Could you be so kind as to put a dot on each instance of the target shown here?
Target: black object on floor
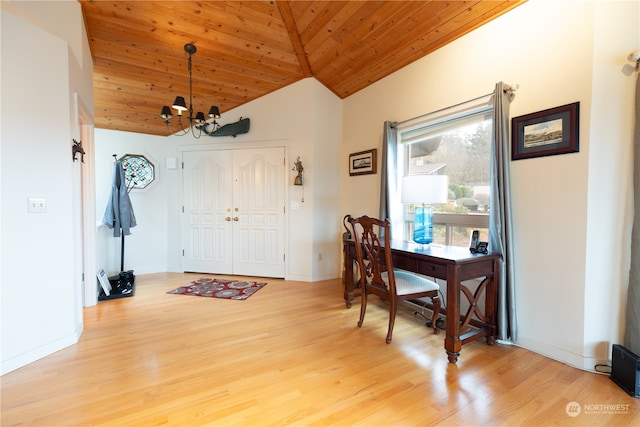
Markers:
(122, 286)
(625, 369)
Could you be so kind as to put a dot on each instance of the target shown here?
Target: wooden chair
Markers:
(377, 275)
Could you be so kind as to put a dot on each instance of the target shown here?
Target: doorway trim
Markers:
(84, 133)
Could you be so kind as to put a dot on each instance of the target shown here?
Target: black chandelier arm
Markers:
(183, 131)
(194, 133)
(203, 127)
(190, 127)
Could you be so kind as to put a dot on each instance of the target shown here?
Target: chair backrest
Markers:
(373, 256)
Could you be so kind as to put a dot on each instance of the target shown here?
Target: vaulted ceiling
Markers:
(247, 49)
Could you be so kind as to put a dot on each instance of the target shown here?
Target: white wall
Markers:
(610, 200)
(295, 117)
(571, 213)
(325, 165)
(41, 290)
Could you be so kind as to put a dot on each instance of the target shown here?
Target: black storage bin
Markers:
(122, 286)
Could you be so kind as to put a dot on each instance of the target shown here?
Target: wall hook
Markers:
(77, 148)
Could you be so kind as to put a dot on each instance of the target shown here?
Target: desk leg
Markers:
(452, 343)
(453, 357)
(491, 302)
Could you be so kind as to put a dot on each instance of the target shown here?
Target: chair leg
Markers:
(392, 319)
(436, 312)
(363, 306)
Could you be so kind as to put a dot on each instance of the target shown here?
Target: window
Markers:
(455, 142)
(139, 172)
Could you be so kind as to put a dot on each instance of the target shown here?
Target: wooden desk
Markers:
(455, 265)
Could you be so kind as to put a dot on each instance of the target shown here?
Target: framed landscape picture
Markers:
(363, 162)
(546, 133)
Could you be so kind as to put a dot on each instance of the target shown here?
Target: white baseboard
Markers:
(308, 278)
(299, 277)
(326, 276)
(30, 356)
(562, 355)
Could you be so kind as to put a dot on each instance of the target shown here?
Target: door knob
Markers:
(228, 218)
(235, 218)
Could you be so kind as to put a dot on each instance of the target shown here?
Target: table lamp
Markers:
(425, 190)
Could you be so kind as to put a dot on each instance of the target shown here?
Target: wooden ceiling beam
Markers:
(294, 35)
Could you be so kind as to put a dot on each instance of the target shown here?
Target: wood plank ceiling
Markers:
(247, 49)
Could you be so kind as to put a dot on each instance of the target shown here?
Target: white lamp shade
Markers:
(427, 189)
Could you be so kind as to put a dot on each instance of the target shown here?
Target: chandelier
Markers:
(198, 121)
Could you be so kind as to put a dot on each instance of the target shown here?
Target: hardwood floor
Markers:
(291, 355)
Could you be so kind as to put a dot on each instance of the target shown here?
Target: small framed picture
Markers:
(363, 162)
(104, 282)
(546, 133)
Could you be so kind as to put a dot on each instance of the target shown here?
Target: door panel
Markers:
(234, 212)
(259, 197)
(207, 202)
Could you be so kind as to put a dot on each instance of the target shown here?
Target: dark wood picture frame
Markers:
(546, 132)
(363, 162)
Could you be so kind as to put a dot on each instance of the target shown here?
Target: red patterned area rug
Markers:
(220, 288)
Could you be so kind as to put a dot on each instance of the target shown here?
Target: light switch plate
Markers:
(36, 205)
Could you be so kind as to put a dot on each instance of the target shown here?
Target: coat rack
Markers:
(119, 216)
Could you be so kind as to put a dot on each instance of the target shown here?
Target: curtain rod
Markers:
(507, 89)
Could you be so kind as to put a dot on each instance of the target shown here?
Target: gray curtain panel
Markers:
(632, 333)
(387, 166)
(500, 216)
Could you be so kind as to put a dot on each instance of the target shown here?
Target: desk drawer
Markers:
(431, 269)
(428, 268)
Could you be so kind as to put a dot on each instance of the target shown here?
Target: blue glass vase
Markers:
(423, 226)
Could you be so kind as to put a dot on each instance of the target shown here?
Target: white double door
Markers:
(233, 212)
